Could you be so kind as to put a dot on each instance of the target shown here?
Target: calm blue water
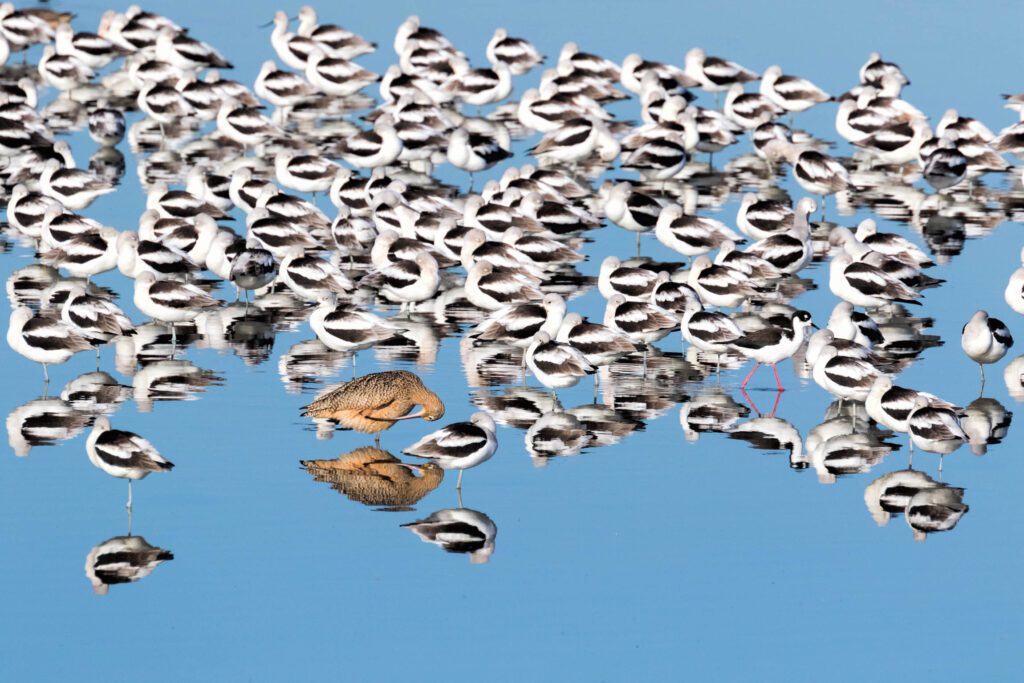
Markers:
(652, 558)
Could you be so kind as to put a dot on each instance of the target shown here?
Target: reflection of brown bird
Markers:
(373, 403)
(372, 476)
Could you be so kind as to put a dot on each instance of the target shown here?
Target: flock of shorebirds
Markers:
(501, 263)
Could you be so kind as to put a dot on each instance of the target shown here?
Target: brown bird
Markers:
(372, 476)
(373, 403)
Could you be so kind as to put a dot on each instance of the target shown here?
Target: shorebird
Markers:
(935, 429)
(42, 339)
(170, 301)
(985, 340)
(123, 454)
(773, 344)
(459, 446)
(375, 402)
(458, 531)
(556, 365)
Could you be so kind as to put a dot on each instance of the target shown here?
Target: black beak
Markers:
(815, 326)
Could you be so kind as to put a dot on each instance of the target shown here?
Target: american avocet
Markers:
(749, 110)
(310, 276)
(842, 376)
(890, 405)
(985, 340)
(86, 254)
(169, 301)
(631, 209)
(720, 286)
(305, 172)
(752, 265)
(479, 87)
(373, 148)
(63, 72)
(517, 53)
(135, 256)
(818, 173)
(42, 339)
(668, 76)
(336, 76)
(339, 41)
(94, 318)
(279, 235)
(492, 288)
(187, 53)
(855, 326)
(459, 530)
(244, 124)
(891, 244)
(715, 74)
(123, 454)
(122, 559)
(945, 166)
(73, 188)
(600, 344)
(633, 283)
(459, 446)
(543, 251)
(896, 143)
(163, 103)
(875, 69)
(410, 281)
(474, 151)
(588, 63)
(709, 331)
(556, 218)
(346, 328)
(517, 324)
(556, 365)
(576, 140)
(660, 158)
(773, 344)
(476, 247)
(26, 210)
(935, 429)
(863, 284)
(792, 93)
(638, 320)
(90, 49)
(375, 402)
(691, 235)
(844, 347)
(95, 393)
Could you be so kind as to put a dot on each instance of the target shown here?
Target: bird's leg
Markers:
(778, 383)
(823, 208)
(46, 375)
(595, 386)
(645, 362)
(458, 483)
(638, 245)
(470, 182)
(129, 505)
(910, 460)
(376, 439)
(458, 493)
(941, 456)
(743, 384)
(981, 390)
(775, 406)
(174, 339)
(97, 359)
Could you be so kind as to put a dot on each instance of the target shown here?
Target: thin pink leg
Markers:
(777, 382)
(751, 374)
(778, 396)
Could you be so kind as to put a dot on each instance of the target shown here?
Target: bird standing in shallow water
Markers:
(985, 340)
(373, 403)
(123, 454)
(459, 446)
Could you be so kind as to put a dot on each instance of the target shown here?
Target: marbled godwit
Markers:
(372, 476)
(373, 403)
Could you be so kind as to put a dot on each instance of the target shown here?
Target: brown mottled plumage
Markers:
(372, 476)
(373, 403)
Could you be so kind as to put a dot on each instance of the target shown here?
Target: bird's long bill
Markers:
(414, 468)
(419, 413)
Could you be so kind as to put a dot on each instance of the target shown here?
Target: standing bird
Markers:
(42, 339)
(935, 429)
(556, 365)
(123, 454)
(985, 340)
(459, 446)
(375, 402)
(773, 344)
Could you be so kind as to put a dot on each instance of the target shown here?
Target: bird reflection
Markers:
(605, 425)
(308, 363)
(712, 410)
(518, 407)
(95, 393)
(122, 559)
(891, 493)
(935, 509)
(986, 421)
(458, 530)
(43, 422)
(374, 477)
(556, 434)
(170, 380)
